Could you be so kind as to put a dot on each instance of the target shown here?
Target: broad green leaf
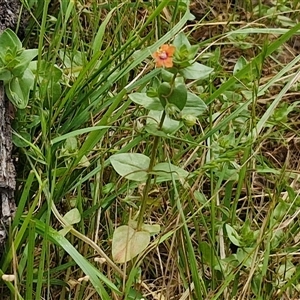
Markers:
(180, 40)
(280, 210)
(84, 162)
(245, 256)
(72, 217)
(145, 101)
(71, 144)
(176, 96)
(9, 40)
(169, 125)
(285, 271)
(206, 253)
(196, 71)
(5, 75)
(164, 91)
(18, 142)
(46, 70)
(133, 166)
(194, 106)
(153, 129)
(167, 171)
(232, 235)
(72, 58)
(127, 243)
(152, 229)
(166, 75)
(134, 295)
(17, 89)
(25, 58)
(179, 96)
(240, 64)
(32, 121)
(54, 92)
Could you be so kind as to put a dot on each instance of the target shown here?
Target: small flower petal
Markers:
(169, 49)
(163, 56)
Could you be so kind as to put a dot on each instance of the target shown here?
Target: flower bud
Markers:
(189, 120)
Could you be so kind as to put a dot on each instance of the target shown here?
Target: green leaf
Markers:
(232, 235)
(127, 243)
(46, 70)
(180, 40)
(193, 50)
(84, 162)
(133, 166)
(97, 45)
(5, 75)
(65, 230)
(179, 96)
(194, 106)
(17, 89)
(169, 125)
(9, 40)
(166, 75)
(134, 295)
(72, 217)
(240, 64)
(196, 71)
(153, 129)
(145, 101)
(285, 271)
(206, 253)
(71, 144)
(25, 58)
(166, 171)
(164, 91)
(78, 132)
(18, 142)
(280, 210)
(32, 121)
(152, 229)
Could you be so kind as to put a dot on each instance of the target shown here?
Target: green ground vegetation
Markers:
(143, 182)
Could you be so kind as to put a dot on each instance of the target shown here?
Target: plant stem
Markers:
(148, 182)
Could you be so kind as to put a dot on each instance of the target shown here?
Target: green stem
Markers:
(148, 182)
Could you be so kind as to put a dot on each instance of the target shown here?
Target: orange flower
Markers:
(163, 56)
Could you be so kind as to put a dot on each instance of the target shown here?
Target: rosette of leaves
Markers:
(14, 68)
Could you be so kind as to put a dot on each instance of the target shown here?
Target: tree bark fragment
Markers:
(9, 14)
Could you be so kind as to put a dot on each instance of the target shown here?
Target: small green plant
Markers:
(15, 73)
(172, 105)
